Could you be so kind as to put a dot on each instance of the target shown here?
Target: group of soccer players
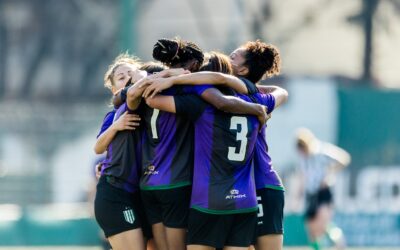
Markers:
(187, 163)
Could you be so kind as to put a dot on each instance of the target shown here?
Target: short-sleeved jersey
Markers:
(167, 147)
(107, 121)
(223, 181)
(265, 175)
(123, 160)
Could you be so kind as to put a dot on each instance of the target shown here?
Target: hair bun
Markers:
(165, 50)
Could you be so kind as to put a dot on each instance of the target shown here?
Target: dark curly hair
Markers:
(175, 52)
(261, 59)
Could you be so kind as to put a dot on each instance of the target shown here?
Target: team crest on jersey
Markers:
(151, 170)
(129, 216)
(235, 194)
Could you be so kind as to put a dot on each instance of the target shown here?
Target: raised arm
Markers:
(280, 94)
(171, 72)
(339, 155)
(231, 104)
(162, 102)
(157, 85)
(131, 94)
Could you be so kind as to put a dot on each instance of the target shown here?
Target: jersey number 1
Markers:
(153, 123)
(240, 136)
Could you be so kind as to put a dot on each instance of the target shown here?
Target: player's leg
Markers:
(153, 211)
(151, 245)
(175, 213)
(176, 238)
(241, 231)
(236, 248)
(199, 247)
(206, 231)
(320, 219)
(128, 240)
(313, 226)
(117, 214)
(160, 236)
(270, 242)
(270, 219)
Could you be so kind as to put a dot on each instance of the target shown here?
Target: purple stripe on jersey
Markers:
(243, 183)
(203, 148)
(107, 121)
(164, 151)
(264, 173)
(242, 177)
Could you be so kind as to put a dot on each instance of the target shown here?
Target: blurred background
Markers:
(339, 64)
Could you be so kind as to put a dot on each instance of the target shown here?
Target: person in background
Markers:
(319, 163)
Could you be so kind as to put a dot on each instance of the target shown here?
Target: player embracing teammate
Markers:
(207, 147)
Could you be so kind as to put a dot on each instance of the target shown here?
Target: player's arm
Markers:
(157, 85)
(190, 105)
(125, 122)
(280, 94)
(131, 94)
(120, 97)
(170, 73)
(234, 105)
(162, 102)
(340, 157)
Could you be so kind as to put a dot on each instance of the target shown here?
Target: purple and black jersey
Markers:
(223, 181)
(107, 122)
(167, 147)
(265, 175)
(123, 158)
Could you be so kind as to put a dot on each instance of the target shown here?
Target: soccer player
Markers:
(250, 62)
(223, 198)
(319, 163)
(253, 60)
(118, 208)
(167, 157)
(117, 76)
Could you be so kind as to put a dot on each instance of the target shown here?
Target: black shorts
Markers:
(169, 206)
(221, 230)
(117, 211)
(323, 196)
(270, 211)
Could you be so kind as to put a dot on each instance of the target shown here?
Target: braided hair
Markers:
(175, 52)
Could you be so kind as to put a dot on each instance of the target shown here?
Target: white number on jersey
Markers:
(260, 207)
(240, 136)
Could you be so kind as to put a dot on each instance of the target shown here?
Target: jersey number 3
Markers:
(240, 136)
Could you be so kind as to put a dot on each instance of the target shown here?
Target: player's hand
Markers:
(126, 122)
(117, 92)
(98, 170)
(263, 116)
(144, 82)
(155, 86)
(136, 75)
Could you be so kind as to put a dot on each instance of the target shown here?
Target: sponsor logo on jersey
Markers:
(235, 194)
(151, 170)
